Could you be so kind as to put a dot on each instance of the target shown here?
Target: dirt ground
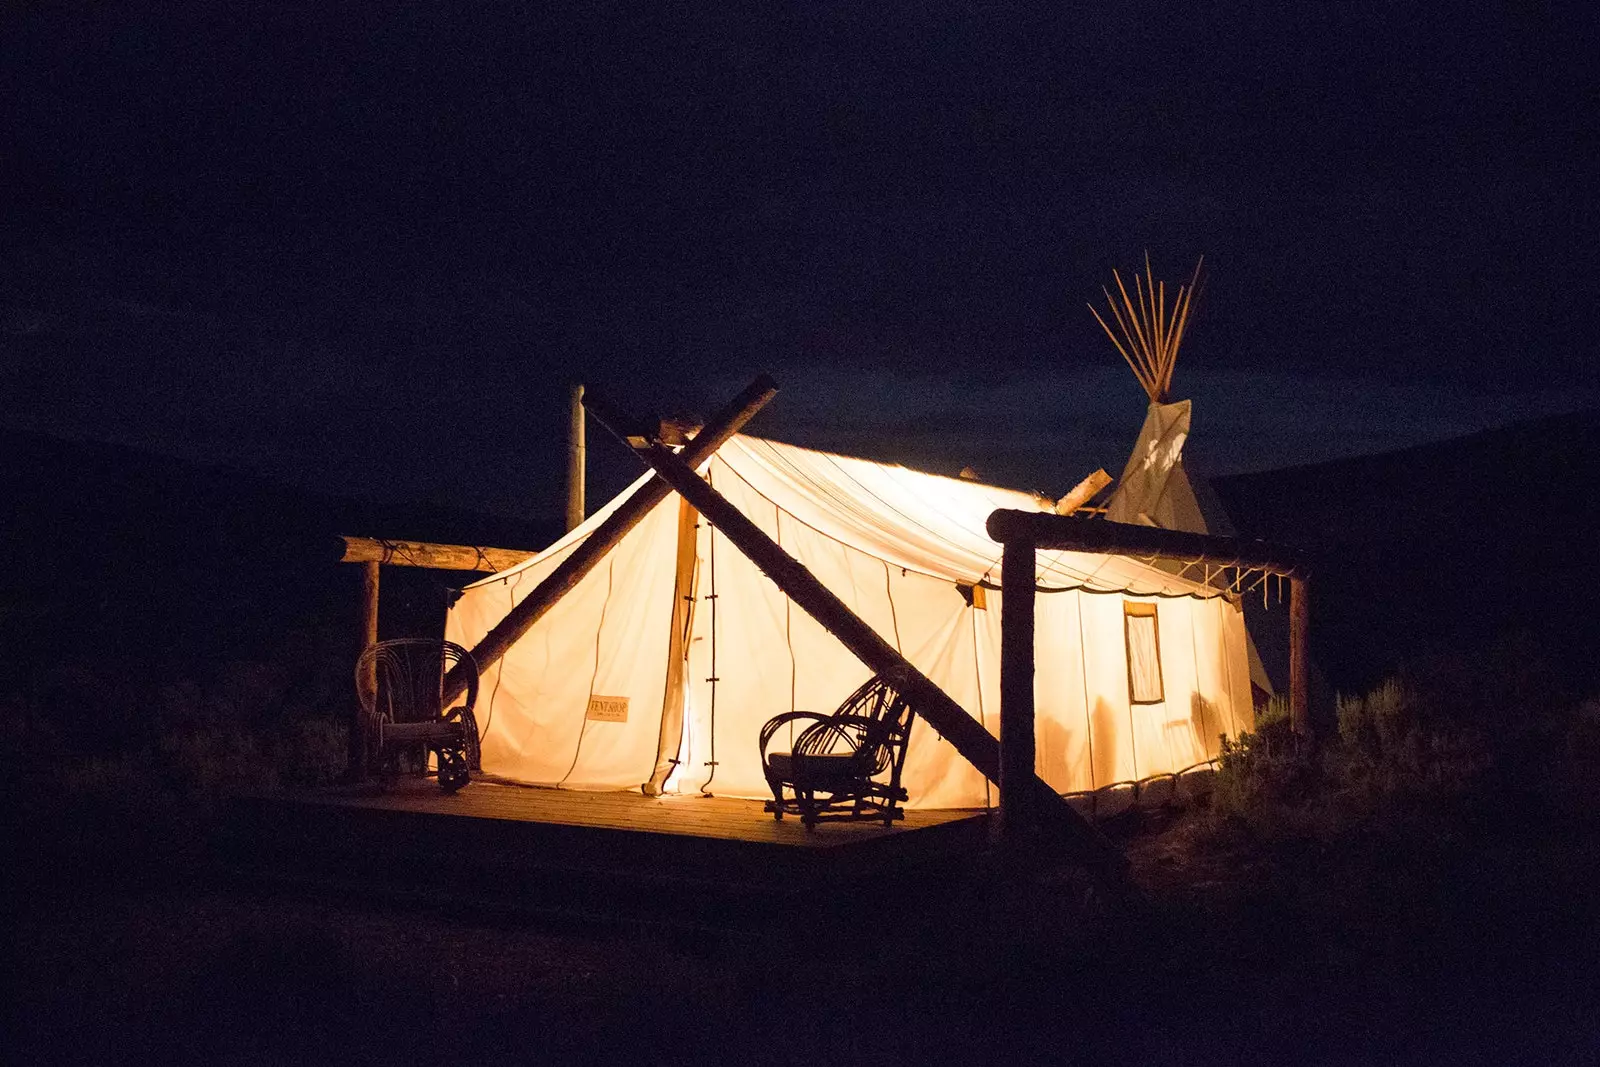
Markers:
(1483, 949)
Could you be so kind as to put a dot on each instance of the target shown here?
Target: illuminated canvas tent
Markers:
(661, 665)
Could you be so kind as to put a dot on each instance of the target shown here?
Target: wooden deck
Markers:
(692, 815)
(621, 852)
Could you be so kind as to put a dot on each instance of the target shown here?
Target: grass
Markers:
(1419, 887)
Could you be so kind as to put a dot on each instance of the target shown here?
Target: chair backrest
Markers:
(881, 717)
(410, 674)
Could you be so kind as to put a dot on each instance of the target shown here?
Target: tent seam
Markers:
(605, 609)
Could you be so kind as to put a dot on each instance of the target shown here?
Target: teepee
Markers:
(1155, 488)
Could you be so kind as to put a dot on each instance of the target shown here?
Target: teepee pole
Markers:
(1148, 336)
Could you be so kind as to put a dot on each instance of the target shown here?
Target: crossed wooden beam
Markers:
(570, 571)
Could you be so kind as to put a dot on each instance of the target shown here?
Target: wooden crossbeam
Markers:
(1082, 842)
(428, 554)
(1072, 533)
(1080, 494)
(570, 571)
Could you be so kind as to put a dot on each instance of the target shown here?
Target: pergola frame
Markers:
(1023, 533)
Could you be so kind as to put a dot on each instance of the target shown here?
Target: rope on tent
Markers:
(711, 553)
(983, 719)
(605, 605)
(894, 613)
(1083, 674)
(788, 626)
(1194, 652)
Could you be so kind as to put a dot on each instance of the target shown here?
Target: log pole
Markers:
(1080, 840)
(570, 571)
(1078, 534)
(1017, 817)
(1080, 494)
(577, 454)
(428, 554)
(1299, 656)
(368, 681)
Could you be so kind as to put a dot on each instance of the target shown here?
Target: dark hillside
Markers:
(144, 569)
(1459, 545)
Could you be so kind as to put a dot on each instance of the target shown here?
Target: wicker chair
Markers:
(845, 765)
(404, 718)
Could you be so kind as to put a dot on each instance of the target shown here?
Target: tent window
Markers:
(1144, 652)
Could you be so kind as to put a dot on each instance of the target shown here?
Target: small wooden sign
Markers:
(607, 709)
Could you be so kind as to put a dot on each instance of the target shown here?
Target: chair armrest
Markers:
(777, 721)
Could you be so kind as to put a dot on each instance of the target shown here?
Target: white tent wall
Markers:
(1179, 719)
(893, 545)
(1105, 683)
(746, 627)
(607, 637)
(940, 638)
(1240, 709)
(1061, 725)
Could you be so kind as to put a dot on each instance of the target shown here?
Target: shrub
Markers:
(312, 751)
(1416, 752)
(210, 762)
(1261, 768)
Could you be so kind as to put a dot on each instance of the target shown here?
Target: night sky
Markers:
(365, 247)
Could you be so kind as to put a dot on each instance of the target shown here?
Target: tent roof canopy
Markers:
(919, 522)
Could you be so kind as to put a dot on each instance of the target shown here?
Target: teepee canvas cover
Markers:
(675, 649)
(1154, 489)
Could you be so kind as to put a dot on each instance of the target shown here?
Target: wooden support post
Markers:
(357, 751)
(577, 454)
(1299, 656)
(1081, 841)
(570, 571)
(683, 594)
(1017, 817)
